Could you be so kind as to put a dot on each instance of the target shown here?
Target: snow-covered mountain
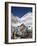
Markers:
(26, 19)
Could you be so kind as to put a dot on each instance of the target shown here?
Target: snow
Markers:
(26, 19)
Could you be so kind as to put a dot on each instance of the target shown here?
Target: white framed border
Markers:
(9, 21)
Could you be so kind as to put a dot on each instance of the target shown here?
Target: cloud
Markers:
(26, 19)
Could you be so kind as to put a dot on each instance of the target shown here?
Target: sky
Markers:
(20, 11)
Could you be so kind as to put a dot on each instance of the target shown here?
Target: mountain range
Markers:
(25, 19)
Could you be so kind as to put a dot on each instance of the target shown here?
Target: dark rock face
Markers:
(22, 33)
